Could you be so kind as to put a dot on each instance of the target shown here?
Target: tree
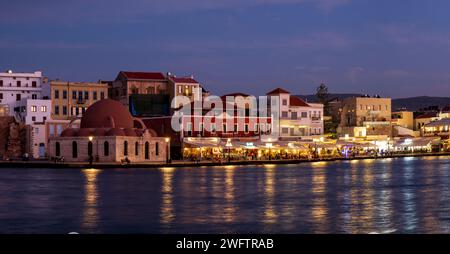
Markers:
(322, 94)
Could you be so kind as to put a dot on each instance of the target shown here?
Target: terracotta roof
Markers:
(107, 113)
(295, 101)
(183, 80)
(277, 91)
(143, 75)
(427, 115)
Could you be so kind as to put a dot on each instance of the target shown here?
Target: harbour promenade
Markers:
(183, 163)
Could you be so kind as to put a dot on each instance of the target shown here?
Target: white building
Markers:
(297, 118)
(32, 111)
(35, 112)
(17, 86)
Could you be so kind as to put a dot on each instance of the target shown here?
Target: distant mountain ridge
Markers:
(411, 103)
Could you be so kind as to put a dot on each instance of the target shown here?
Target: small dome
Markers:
(130, 132)
(100, 132)
(69, 132)
(85, 132)
(107, 113)
(115, 132)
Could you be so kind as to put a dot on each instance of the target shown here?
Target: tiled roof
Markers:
(144, 75)
(183, 80)
(427, 115)
(295, 101)
(277, 91)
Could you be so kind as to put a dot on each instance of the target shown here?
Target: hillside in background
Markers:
(411, 104)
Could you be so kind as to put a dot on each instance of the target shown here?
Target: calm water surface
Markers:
(409, 195)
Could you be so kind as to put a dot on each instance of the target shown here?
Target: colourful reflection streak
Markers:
(90, 214)
(319, 210)
(270, 213)
(367, 200)
(229, 209)
(167, 211)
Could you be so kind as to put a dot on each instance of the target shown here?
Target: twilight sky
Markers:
(388, 47)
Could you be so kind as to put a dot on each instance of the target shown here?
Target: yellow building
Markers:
(71, 99)
(404, 119)
(365, 116)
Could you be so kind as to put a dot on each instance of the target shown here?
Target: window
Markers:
(147, 154)
(74, 149)
(213, 128)
(64, 110)
(90, 148)
(59, 129)
(33, 83)
(74, 95)
(224, 128)
(64, 94)
(102, 95)
(1, 82)
(86, 95)
(256, 128)
(285, 130)
(56, 110)
(284, 102)
(284, 114)
(294, 115)
(18, 97)
(94, 95)
(246, 128)
(57, 149)
(43, 108)
(304, 114)
(19, 83)
(33, 108)
(125, 148)
(33, 118)
(56, 94)
(201, 127)
(52, 130)
(34, 96)
(235, 128)
(156, 148)
(106, 148)
(1, 96)
(136, 148)
(44, 118)
(180, 89)
(80, 95)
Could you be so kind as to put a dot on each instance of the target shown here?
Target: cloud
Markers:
(410, 34)
(354, 73)
(133, 10)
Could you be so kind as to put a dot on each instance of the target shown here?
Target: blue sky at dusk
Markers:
(388, 47)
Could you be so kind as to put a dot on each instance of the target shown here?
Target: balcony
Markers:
(81, 101)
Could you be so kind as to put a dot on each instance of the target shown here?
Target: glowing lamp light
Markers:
(167, 140)
(91, 138)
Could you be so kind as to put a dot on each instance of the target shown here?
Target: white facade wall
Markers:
(17, 86)
(34, 111)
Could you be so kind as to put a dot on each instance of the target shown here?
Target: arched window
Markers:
(106, 148)
(90, 148)
(74, 149)
(147, 151)
(125, 148)
(136, 148)
(156, 148)
(57, 149)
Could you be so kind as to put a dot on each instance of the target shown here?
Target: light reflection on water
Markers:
(410, 195)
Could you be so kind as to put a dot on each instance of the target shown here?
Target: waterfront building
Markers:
(440, 128)
(404, 119)
(15, 86)
(34, 113)
(424, 119)
(366, 117)
(297, 117)
(108, 133)
(71, 99)
(145, 94)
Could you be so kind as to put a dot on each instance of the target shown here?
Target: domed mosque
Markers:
(109, 133)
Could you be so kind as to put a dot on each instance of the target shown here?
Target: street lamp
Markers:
(269, 146)
(168, 160)
(229, 145)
